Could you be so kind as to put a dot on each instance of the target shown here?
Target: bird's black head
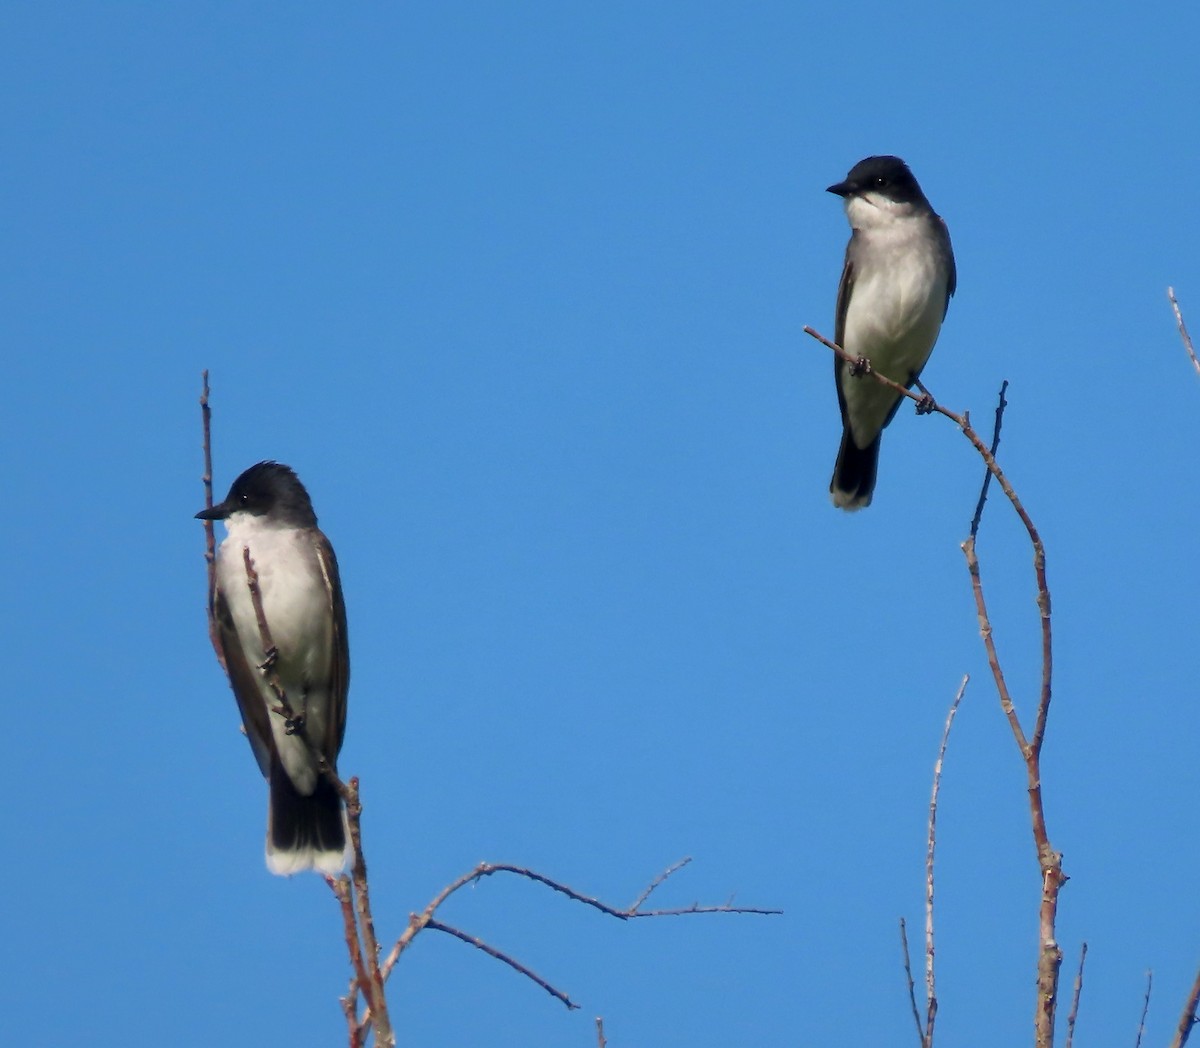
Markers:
(266, 489)
(888, 176)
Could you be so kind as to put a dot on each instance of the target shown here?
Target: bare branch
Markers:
(342, 890)
(912, 989)
(989, 644)
(1050, 861)
(210, 542)
(637, 903)
(1183, 331)
(600, 1041)
(376, 999)
(491, 951)
(931, 1004)
(1188, 1019)
(1074, 1014)
(418, 922)
(1145, 1009)
(684, 911)
(352, 893)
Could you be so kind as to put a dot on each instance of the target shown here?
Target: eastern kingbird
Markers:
(895, 289)
(268, 512)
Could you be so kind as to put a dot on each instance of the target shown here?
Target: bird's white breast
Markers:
(294, 597)
(895, 310)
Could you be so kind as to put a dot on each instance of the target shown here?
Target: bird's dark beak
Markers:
(842, 189)
(217, 512)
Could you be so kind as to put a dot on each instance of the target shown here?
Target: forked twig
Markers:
(1050, 861)
(637, 903)
(377, 1000)
(344, 893)
(417, 922)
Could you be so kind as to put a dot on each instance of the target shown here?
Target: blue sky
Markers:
(518, 290)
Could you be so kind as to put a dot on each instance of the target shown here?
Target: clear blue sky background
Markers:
(518, 289)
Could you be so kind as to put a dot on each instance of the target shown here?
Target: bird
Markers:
(896, 284)
(268, 512)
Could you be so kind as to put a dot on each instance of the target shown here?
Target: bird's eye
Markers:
(880, 181)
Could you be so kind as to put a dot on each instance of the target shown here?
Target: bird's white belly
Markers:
(294, 600)
(297, 609)
(894, 324)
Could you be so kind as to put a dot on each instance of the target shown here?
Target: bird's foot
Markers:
(860, 366)
(926, 405)
(272, 657)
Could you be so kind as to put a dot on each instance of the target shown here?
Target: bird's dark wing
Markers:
(245, 680)
(845, 287)
(952, 282)
(339, 666)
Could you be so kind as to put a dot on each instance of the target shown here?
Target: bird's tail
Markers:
(304, 832)
(854, 473)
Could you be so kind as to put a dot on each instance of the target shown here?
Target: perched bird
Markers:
(269, 512)
(895, 289)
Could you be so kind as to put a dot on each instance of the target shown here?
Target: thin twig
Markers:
(987, 476)
(637, 903)
(912, 987)
(210, 542)
(931, 1004)
(1145, 1009)
(491, 951)
(600, 1041)
(989, 644)
(1074, 1013)
(1183, 331)
(1187, 1021)
(891, 384)
(264, 635)
(684, 911)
